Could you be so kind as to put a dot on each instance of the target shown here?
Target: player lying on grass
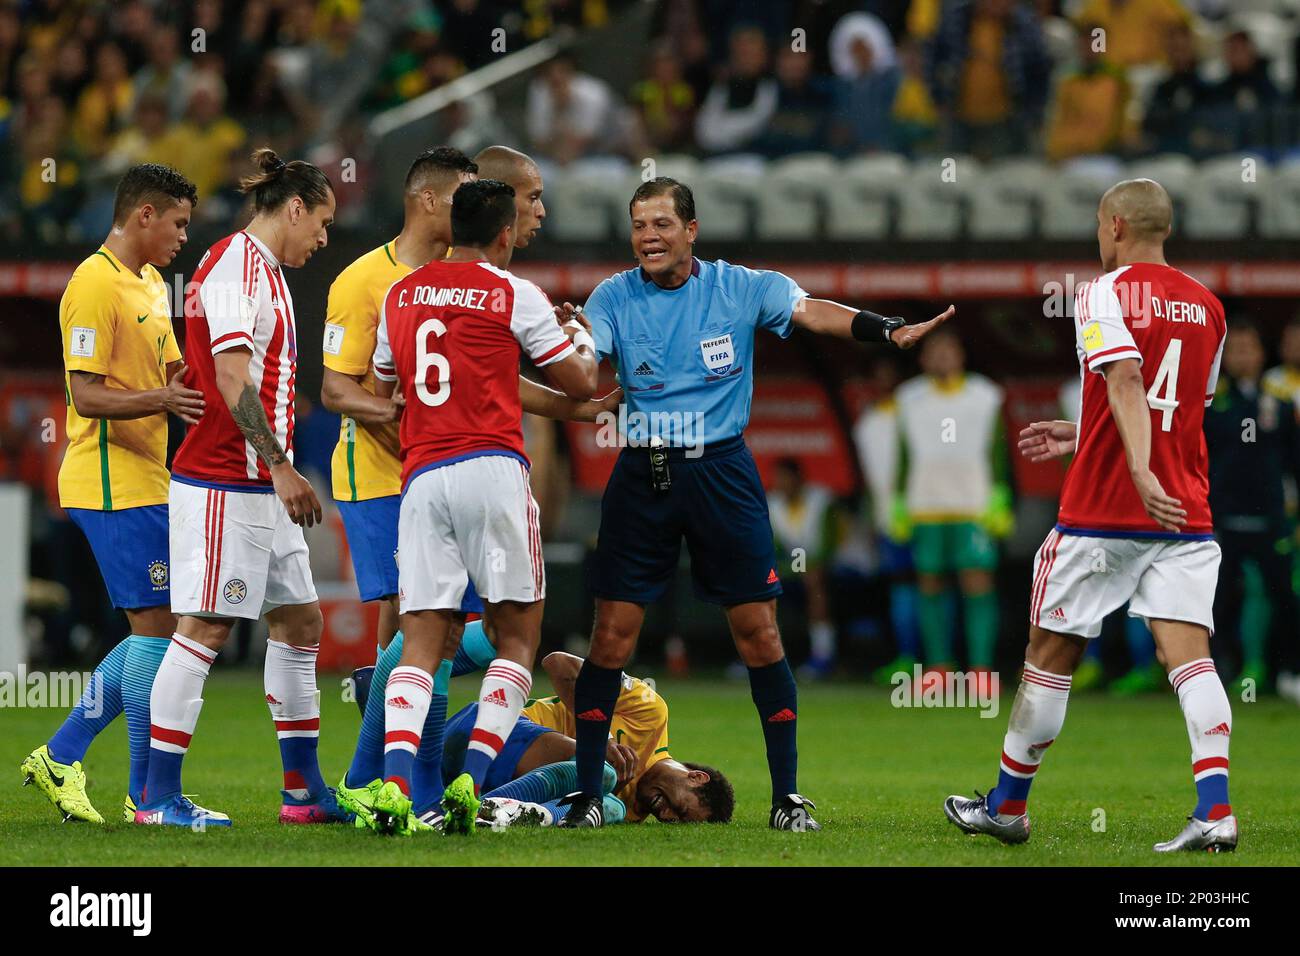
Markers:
(1149, 339)
(124, 374)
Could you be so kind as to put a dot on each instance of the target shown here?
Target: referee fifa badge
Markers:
(659, 475)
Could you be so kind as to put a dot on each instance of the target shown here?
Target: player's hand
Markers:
(623, 759)
(297, 494)
(909, 335)
(396, 405)
(568, 312)
(1043, 441)
(1164, 511)
(611, 401)
(185, 403)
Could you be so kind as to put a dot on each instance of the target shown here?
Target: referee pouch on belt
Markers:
(661, 478)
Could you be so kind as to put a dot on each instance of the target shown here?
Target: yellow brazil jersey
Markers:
(640, 721)
(365, 461)
(116, 324)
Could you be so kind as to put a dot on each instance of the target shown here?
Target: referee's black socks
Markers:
(594, 695)
(772, 687)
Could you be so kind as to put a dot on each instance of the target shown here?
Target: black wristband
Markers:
(870, 327)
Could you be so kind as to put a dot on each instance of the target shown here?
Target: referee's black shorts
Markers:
(716, 503)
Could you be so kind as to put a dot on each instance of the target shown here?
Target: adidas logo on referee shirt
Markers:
(644, 369)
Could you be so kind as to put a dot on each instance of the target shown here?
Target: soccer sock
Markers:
(773, 690)
(1209, 727)
(936, 627)
(143, 657)
(902, 615)
(981, 628)
(174, 705)
(368, 758)
(1037, 717)
(407, 696)
(426, 780)
(550, 782)
(475, 652)
(100, 703)
(504, 691)
(290, 682)
(594, 695)
(821, 635)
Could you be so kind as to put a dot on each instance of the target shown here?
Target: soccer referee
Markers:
(680, 332)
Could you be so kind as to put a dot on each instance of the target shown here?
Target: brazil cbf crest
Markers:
(158, 575)
(719, 354)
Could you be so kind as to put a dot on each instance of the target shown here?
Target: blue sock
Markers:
(368, 758)
(143, 657)
(1011, 794)
(1212, 797)
(615, 810)
(550, 782)
(426, 779)
(475, 652)
(594, 695)
(100, 703)
(902, 615)
(773, 691)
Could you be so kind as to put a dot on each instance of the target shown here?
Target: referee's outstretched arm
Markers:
(830, 318)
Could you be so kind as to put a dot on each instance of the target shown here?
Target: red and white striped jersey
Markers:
(238, 298)
(450, 334)
(1175, 328)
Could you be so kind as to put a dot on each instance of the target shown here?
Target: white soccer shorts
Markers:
(1078, 580)
(473, 518)
(235, 553)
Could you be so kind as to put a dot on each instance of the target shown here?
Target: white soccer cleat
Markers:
(501, 812)
(1212, 836)
(972, 816)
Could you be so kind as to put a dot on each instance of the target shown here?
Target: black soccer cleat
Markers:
(585, 811)
(791, 813)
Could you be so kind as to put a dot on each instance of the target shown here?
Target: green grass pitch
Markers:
(878, 774)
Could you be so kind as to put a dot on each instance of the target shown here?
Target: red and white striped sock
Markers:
(289, 678)
(501, 699)
(406, 705)
(1209, 728)
(177, 694)
(1037, 716)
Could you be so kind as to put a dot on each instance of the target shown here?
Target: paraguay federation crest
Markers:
(235, 591)
(718, 353)
(158, 575)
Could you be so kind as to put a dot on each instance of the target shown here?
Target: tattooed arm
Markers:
(241, 398)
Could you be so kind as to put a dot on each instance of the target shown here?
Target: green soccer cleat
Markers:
(359, 800)
(391, 811)
(1088, 675)
(902, 664)
(64, 785)
(1140, 680)
(1253, 676)
(460, 805)
(128, 809)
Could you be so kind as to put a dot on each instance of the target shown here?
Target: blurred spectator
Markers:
(50, 184)
(203, 145)
(166, 73)
(10, 51)
(865, 92)
(665, 102)
(1284, 380)
(1135, 30)
(915, 116)
(71, 72)
(1174, 120)
(1088, 114)
(849, 33)
(805, 530)
(570, 114)
(1241, 103)
(989, 70)
(134, 28)
(467, 27)
(104, 106)
(1254, 448)
(739, 105)
(801, 122)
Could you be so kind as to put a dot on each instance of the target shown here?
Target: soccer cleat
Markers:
(1087, 676)
(360, 801)
(361, 678)
(902, 664)
(322, 808)
(128, 809)
(1140, 680)
(585, 811)
(64, 785)
(391, 811)
(1253, 677)
(180, 811)
(460, 805)
(972, 816)
(791, 813)
(430, 821)
(1212, 836)
(497, 813)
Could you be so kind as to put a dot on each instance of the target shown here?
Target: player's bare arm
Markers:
(344, 395)
(1127, 397)
(246, 409)
(94, 398)
(577, 376)
(842, 321)
(537, 399)
(1044, 441)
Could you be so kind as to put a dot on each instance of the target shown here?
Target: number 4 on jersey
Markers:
(1161, 395)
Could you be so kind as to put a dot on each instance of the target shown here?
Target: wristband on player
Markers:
(583, 337)
(870, 327)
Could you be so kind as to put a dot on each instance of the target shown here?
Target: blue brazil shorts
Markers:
(456, 739)
(131, 548)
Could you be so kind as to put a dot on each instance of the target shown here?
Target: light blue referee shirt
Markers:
(685, 356)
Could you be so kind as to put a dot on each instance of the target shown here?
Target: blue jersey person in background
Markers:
(680, 332)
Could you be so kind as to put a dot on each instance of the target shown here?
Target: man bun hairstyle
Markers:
(683, 198)
(480, 210)
(151, 184)
(277, 182)
(716, 796)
